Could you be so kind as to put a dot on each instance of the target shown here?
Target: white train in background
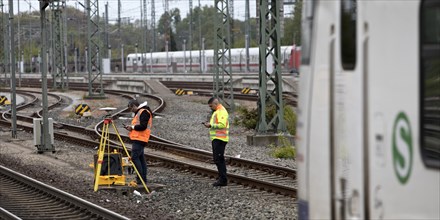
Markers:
(368, 130)
(186, 61)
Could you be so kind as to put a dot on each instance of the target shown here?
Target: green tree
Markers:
(167, 28)
(297, 23)
(292, 27)
(130, 32)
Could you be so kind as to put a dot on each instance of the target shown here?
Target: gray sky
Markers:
(131, 8)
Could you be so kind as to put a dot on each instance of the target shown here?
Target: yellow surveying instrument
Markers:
(109, 165)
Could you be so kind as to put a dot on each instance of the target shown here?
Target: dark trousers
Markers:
(138, 158)
(218, 153)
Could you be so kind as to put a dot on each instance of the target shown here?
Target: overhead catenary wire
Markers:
(129, 6)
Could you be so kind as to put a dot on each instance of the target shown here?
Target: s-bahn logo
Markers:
(402, 148)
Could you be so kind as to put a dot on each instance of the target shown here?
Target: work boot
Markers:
(219, 184)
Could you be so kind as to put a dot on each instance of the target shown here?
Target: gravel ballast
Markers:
(183, 196)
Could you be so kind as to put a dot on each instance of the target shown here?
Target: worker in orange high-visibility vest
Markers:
(139, 132)
(219, 135)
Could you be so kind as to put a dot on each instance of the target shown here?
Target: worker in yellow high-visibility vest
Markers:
(219, 135)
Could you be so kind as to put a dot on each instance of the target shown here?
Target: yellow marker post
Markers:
(81, 108)
(245, 90)
(180, 92)
(3, 99)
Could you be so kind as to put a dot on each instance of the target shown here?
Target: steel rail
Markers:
(28, 198)
(204, 156)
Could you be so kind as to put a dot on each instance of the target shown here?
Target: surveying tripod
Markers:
(104, 144)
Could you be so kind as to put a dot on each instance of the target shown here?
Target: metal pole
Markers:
(39, 61)
(143, 7)
(190, 35)
(200, 36)
(44, 54)
(75, 59)
(142, 35)
(12, 61)
(151, 60)
(184, 54)
(89, 47)
(106, 27)
(166, 50)
(270, 73)
(21, 68)
(247, 35)
(86, 58)
(110, 57)
(222, 86)
(5, 43)
(101, 85)
(65, 46)
(136, 52)
(30, 61)
(31, 56)
(19, 43)
(202, 61)
(246, 42)
(119, 19)
(153, 24)
(50, 61)
(94, 45)
(122, 58)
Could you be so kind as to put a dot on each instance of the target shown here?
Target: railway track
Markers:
(26, 198)
(198, 88)
(205, 89)
(275, 179)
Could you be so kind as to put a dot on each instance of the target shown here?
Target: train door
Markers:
(402, 68)
(312, 138)
(347, 120)
(368, 129)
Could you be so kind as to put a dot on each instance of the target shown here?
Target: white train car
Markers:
(179, 61)
(368, 130)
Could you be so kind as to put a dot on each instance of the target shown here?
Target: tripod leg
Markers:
(102, 144)
(128, 155)
(107, 146)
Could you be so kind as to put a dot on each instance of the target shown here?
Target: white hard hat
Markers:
(143, 104)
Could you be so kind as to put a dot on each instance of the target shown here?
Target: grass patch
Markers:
(72, 114)
(249, 118)
(246, 118)
(286, 152)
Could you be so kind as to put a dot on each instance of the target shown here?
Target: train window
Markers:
(430, 82)
(348, 33)
(306, 27)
